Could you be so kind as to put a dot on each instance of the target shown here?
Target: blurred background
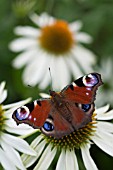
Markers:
(97, 18)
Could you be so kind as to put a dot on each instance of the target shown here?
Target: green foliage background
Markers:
(97, 18)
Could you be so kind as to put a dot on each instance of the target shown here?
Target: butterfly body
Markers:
(65, 111)
(60, 105)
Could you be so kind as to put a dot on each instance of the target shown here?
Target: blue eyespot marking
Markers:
(48, 126)
(22, 113)
(90, 80)
(86, 107)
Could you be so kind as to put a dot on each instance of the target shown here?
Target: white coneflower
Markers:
(99, 132)
(9, 144)
(55, 43)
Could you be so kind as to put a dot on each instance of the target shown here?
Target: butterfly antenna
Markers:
(51, 78)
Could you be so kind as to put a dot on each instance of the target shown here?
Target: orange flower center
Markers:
(56, 38)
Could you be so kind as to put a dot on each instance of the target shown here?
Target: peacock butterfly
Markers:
(65, 111)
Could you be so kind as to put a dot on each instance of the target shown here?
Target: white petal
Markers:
(88, 161)
(46, 158)
(21, 44)
(75, 26)
(58, 68)
(8, 113)
(29, 160)
(2, 85)
(3, 96)
(5, 162)
(71, 160)
(45, 81)
(36, 141)
(55, 73)
(46, 77)
(63, 72)
(44, 95)
(102, 109)
(20, 130)
(104, 144)
(83, 37)
(84, 57)
(10, 123)
(27, 31)
(105, 116)
(104, 135)
(15, 105)
(3, 93)
(61, 164)
(105, 126)
(35, 70)
(42, 20)
(34, 145)
(13, 156)
(74, 68)
(18, 144)
(24, 58)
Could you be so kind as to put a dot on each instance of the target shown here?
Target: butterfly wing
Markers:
(34, 113)
(61, 122)
(66, 111)
(56, 125)
(79, 97)
(81, 114)
(83, 90)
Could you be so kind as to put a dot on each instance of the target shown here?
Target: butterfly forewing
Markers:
(83, 90)
(34, 113)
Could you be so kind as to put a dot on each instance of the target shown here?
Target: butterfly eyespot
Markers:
(84, 107)
(48, 126)
(22, 113)
(90, 80)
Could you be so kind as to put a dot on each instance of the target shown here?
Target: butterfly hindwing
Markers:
(60, 125)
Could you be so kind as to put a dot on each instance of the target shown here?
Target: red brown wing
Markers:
(83, 90)
(80, 115)
(61, 126)
(62, 122)
(34, 113)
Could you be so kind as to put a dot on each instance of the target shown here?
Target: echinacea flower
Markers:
(63, 150)
(54, 44)
(105, 94)
(9, 144)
